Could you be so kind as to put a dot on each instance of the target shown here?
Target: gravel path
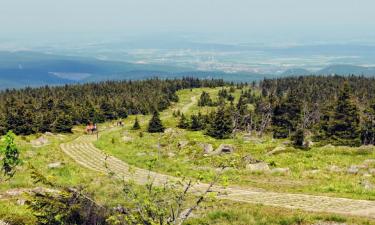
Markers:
(86, 154)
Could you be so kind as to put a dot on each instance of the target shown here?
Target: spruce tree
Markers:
(62, 124)
(205, 99)
(368, 126)
(136, 125)
(183, 123)
(286, 116)
(197, 122)
(155, 125)
(221, 126)
(344, 126)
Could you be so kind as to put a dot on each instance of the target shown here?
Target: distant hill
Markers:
(296, 72)
(347, 70)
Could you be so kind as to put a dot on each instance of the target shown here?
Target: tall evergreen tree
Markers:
(221, 126)
(344, 126)
(62, 124)
(155, 125)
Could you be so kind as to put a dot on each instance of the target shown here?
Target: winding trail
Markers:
(86, 154)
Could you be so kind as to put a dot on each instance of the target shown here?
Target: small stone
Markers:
(139, 154)
(127, 139)
(372, 171)
(277, 150)
(55, 165)
(258, 167)
(334, 169)
(281, 170)
(182, 144)
(171, 154)
(353, 169)
(286, 143)
(169, 131)
(21, 202)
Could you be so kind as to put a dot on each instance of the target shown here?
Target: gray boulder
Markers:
(258, 167)
(207, 148)
(353, 169)
(224, 149)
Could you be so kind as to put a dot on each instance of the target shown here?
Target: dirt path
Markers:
(86, 154)
(187, 106)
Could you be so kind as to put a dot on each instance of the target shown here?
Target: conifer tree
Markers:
(136, 125)
(368, 127)
(205, 99)
(286, 116)
(197, 122)
(62, 124)
(221, 126)
(344, 126)
(155, 125)
(183, 123)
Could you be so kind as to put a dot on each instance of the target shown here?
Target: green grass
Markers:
(223, 213)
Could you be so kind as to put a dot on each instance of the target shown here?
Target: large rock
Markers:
(258, 167)
(277, 150)
(55, 165)
(182, 144)
(224, 149)
(284, 171)
(207, 148)
(372, 171)
(353, 169)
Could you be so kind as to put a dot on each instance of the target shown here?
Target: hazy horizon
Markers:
(223, 21)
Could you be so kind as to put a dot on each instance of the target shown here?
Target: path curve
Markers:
(86, 154)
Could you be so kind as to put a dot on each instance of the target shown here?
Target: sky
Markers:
(237, 20)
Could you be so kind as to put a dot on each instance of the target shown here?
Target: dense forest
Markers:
(332, 109)
(58, 109)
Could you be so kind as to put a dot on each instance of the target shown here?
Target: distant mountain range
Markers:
(20, 69)
(343, 70)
